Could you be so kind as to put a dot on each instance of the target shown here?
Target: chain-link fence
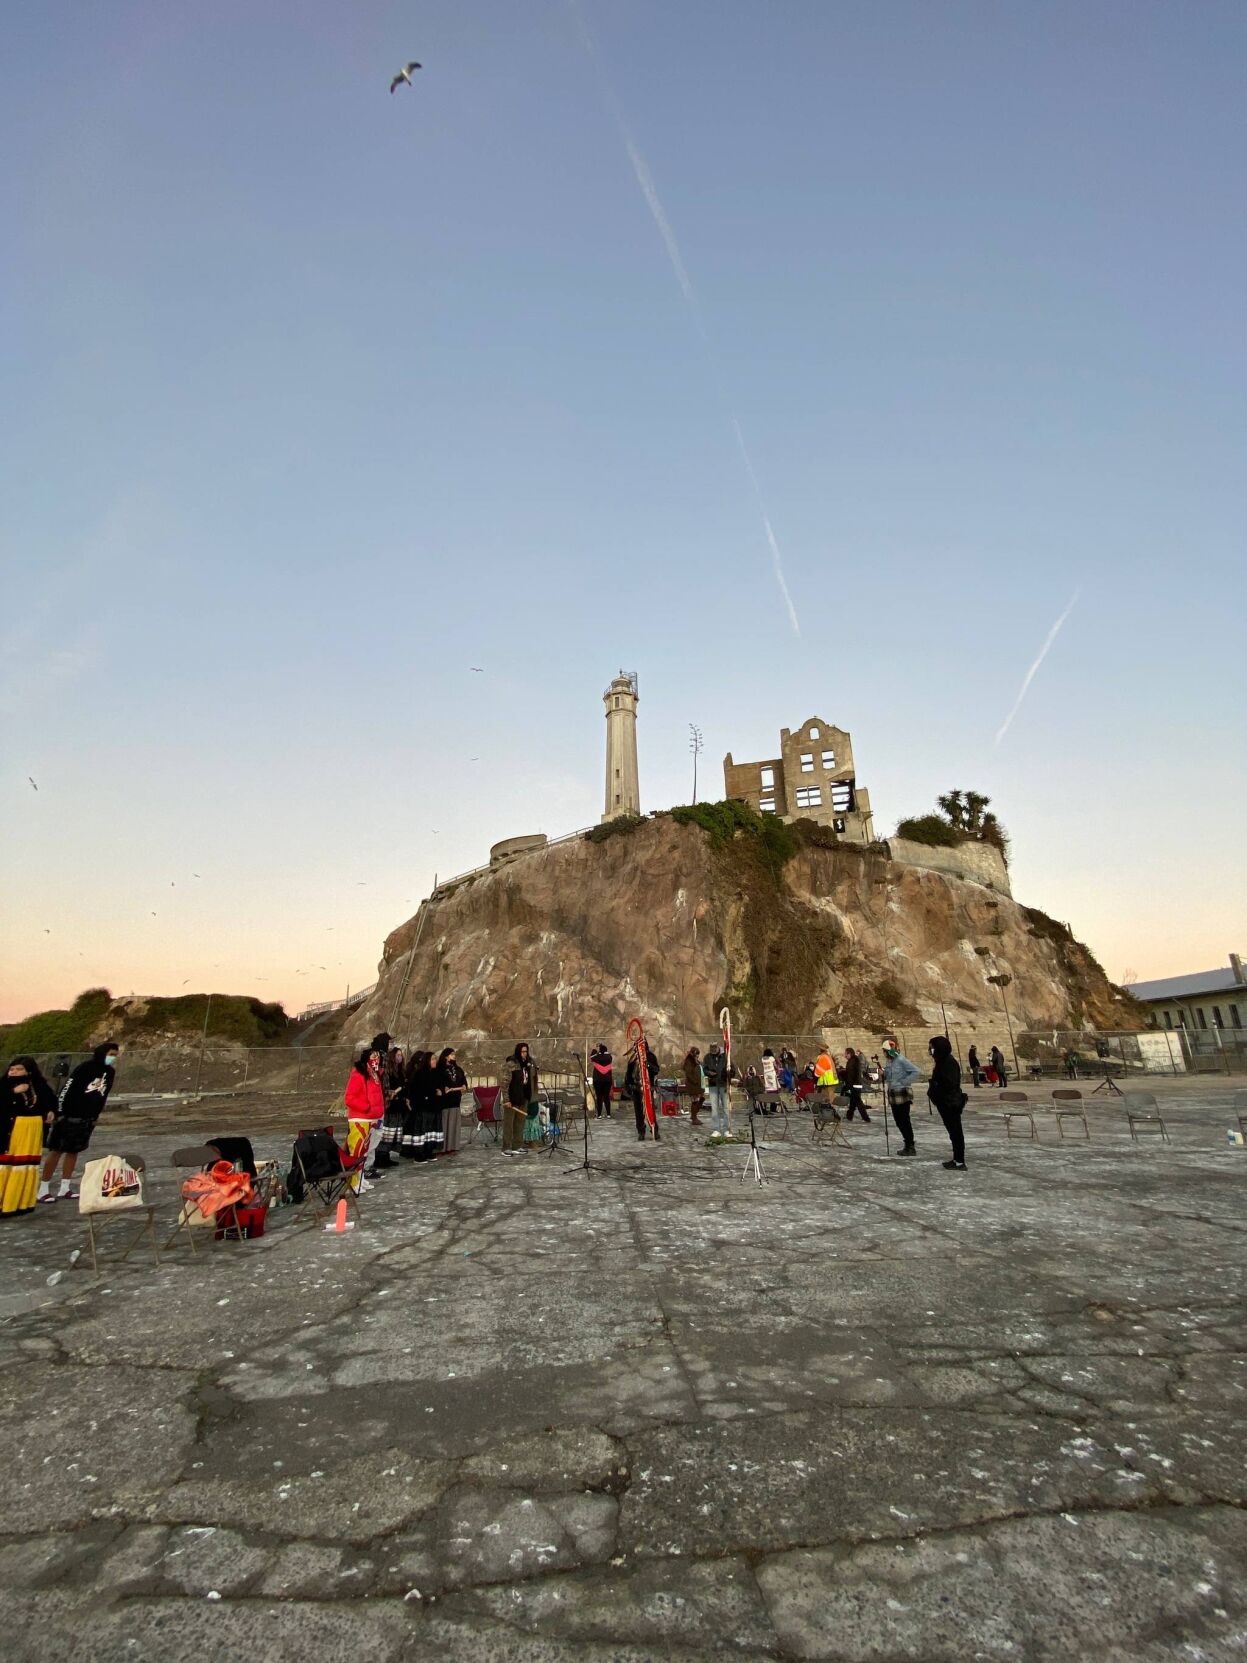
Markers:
(301, 1070)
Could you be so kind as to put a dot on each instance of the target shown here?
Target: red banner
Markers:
(636, 1036)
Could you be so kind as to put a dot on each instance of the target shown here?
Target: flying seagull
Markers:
(403, 76)
(32, 782)
(476, 669)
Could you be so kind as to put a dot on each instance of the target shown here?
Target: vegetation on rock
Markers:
(964, 817)
(233, 1017)
(58, 1030)
(619, 826)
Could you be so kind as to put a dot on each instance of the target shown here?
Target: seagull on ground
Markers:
(403, 76)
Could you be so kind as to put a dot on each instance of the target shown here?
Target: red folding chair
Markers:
(486, 1112)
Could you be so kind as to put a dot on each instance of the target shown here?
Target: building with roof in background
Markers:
(1209, 1002)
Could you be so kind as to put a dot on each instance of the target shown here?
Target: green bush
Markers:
(725, 821)
(619, 826)
(930, 829)
(58, 1030)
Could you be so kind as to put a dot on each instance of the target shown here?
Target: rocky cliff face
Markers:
(668, 923)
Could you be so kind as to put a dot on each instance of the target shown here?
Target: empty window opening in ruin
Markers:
(838, 825)
(829, 759)
(1202, 1019)
(1235, 1018)
(807, 762)
(767, 806)
(842, 796)
(813, 733)
(1216, 1017)
(768, 779)
(809, 796)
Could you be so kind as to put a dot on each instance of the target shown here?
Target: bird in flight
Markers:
(476, 669)
(32, 782)
(403, 76)
(47, 932)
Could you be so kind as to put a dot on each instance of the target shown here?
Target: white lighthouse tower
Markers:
(623, 790)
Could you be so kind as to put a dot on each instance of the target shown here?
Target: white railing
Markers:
(349, 1003)
(447, 884)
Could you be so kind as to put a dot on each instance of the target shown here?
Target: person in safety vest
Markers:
(828, 1079)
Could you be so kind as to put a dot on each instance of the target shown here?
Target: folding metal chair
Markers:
(126, 1215)
(487, 1119)
(1142, 1110)
(1062, 1115)
(1010, 1115)
(323, 1189)
(191, 1158)
(827, 1123)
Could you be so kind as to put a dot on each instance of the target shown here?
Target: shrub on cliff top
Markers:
(58, 1030)
(930, 829)
(725, 821)
(621, 824)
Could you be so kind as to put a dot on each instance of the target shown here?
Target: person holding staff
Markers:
(521, 1092)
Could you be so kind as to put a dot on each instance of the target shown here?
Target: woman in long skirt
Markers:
(452, 1082)
(390, 1132)
(26, 1100)
(422, 1123)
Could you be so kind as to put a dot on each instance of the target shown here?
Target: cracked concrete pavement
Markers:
(871, 1410)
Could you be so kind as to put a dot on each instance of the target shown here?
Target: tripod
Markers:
(754, 1162)
(586, 1167)
(1108, 1084)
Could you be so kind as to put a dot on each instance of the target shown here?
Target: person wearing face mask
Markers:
(26, 1102)
(365, 1105)
(82, 1101)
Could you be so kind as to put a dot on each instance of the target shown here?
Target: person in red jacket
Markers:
(365, 1106)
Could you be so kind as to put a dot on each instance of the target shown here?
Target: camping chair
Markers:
(1062, 1115)
(1010, 1115)
(191, 1158)
(827, 1123)
(1142, 1110)
(327, 1174)
(487, 1119)
(126, 1215)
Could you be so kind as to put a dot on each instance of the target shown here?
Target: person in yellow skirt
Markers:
(26, 1102)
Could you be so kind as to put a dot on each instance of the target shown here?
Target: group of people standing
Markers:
(400, 1105)
(41, 1129)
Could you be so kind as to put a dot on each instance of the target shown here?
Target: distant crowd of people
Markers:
(408, 1108)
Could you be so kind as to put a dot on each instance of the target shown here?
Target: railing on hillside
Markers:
(327, 1005)
(448, 884)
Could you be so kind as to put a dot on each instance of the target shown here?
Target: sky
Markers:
(558, 362)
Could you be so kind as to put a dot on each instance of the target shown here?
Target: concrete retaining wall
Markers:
(977, 862)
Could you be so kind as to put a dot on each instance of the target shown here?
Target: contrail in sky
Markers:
(649, 190)
(1030, 674)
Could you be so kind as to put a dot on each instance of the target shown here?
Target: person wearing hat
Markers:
(899, 1075)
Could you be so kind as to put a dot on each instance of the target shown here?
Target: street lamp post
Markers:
(203, 1039)
(694, 745)
(1002, 983)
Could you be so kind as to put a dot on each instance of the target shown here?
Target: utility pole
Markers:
(203, 1039)
(694, 745)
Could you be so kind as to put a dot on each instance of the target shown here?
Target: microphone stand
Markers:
(586, 1166)
(754, 1163)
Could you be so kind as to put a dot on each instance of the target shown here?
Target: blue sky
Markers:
(318, 397)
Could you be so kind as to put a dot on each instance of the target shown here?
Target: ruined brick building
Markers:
(812, 778)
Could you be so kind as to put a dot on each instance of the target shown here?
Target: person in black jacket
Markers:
(603, 1071)
(521, 1092)
(452, 1082)
(422, 1122)
(632, 1085)
(83, 1097)
(27, 1103)
(948, 1098)
(975, 1066)
(852, 1081)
